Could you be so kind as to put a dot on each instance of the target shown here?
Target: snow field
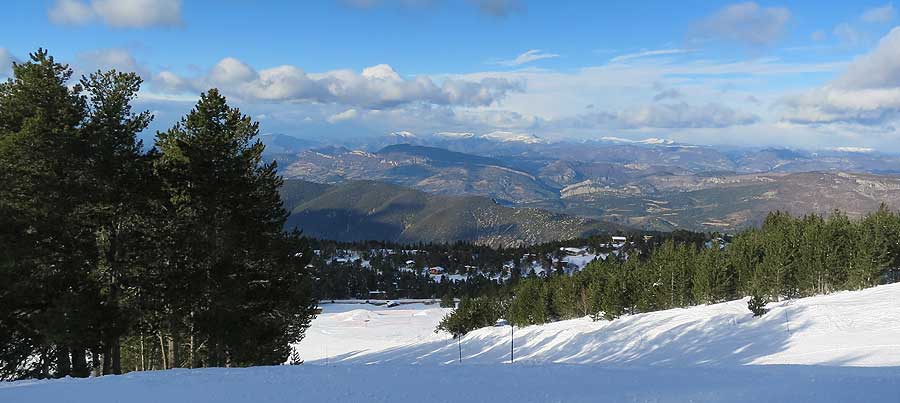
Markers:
(860, 328)
(848, 343)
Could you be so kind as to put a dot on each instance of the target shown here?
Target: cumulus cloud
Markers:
(877, 69)
(105, 59)
(117, 13)
(527, 57)
(745, 23)
(866, 93)
(72, 12)
(377, 87)
(666, 116)
(349, 114)
(879, 15)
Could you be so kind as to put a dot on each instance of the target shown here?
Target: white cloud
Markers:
(6, 61)
(349, 114)
(867, 93)
(849, 35)
(878, 69)
(527, 57)
(377, 87)
(649, 53)
(745, 23)
(230, 71)
(883, 14)
(665, 116)
(105, 59)
(71, 12)
(117, 13)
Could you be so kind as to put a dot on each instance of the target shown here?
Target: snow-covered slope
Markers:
(470, 383)
(348, 330)
(860, 328)
(699, 354)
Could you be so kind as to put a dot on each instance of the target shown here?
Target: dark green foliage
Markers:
(471, 314)
(117, 259)
(447, 301)
(757, 305)
(531, 304)
(787, 257)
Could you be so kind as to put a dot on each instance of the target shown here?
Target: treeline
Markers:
(484, 265)
(115, 258)
(788, 257)
(396, 269)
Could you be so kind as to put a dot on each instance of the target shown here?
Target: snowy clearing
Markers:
(860, 328)
(346, 330)
(850, 341)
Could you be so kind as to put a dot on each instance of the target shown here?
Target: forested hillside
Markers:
(788, 257)
(367, 210)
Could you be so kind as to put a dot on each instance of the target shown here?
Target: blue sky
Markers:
(798, 74)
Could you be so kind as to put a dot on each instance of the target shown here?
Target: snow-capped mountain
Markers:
(648, 141)
(505, 136)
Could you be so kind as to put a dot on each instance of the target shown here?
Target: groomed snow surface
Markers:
(836, 348)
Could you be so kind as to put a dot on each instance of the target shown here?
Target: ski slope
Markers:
(859, 328)
(347, 330)
(471, 383)
(842, 347)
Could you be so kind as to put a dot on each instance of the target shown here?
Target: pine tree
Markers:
(121, 197)
(43, 307)
(531, 304)
(245, 292)
(712, 281)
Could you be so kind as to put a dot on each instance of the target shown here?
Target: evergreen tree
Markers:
(43, 307)
(122, 195)
(531, 304)
(245, 291)
(713, 281)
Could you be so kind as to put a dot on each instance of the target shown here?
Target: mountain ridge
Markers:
(370, 210)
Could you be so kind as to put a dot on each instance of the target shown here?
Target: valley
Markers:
(651, 185)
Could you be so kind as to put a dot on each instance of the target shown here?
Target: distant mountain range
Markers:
(651, 184)
(368, 210)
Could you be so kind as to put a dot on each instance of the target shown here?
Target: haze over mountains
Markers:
(653, 183)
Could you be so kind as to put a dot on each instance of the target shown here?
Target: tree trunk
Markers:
(162, 352)
(45, 364)
(174, 339)
(143, 362)
(107, 357)
(191, 355)
(96, 368)
(79, 363)
(173, 360)
(116, 356)
(63, 364)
